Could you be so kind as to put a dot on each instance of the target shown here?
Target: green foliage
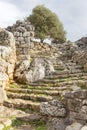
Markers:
(42, 127)
(16, 123)
(81, 85)
(14, 85)
(47, 24)
(8, 128)
(39, 125)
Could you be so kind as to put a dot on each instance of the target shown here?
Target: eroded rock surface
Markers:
(38, 69)
(7, 61)
(53, 108)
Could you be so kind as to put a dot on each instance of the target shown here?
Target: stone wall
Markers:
(76, 103)
(7, 53)
(68, 114)
(23, 32)
(7, 61)
(30, 53)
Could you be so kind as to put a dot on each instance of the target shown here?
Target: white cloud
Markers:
(8, 13)
(71, 12)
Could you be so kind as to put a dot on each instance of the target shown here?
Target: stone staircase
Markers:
(65, 78)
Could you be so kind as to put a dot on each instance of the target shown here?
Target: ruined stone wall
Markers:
(7, 61)
(23, 32)
(7, 53)
(68, 114)
(76, 103)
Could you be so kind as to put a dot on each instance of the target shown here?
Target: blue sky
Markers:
(72, 13)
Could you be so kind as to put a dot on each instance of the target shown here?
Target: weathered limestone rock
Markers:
(74, 126)
(53, 108)
(55, 124)
(68, 50)
(7, 53)
(3, 96)
(4, 82)
(84, 128)
(37, 70)
(7, 61)
(80, 56)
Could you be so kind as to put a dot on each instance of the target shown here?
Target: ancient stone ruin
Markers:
(23, 32)
(7, 61)
(41, 82)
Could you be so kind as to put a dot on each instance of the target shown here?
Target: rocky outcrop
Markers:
(7, 61)
(34, 71)
(80, 56)
(53, 108)
(7, 53)
(71, 117)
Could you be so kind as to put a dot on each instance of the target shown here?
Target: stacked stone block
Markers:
(68, 114)
(23, 32)
(77, 105)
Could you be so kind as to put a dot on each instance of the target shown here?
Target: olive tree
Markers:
(46, 24)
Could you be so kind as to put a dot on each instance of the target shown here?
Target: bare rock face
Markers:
(3, 96)
(38, 69)
(55, 124)
(7, 61)
(53, 108)
(84, 127)
(80, 56)
(74, 126)
(56, 113)
(7, 53)
(68, 50)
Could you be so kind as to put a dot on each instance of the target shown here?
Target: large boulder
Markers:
(38, 69)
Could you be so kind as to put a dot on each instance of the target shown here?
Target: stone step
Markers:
(47, 91)
(70, 63)
(22, 104)
(35, 89)
(58, 67)
(57, 84)
(51, 84)
(65, 76)
(60, 80)
(68, 72)
(32, 97)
